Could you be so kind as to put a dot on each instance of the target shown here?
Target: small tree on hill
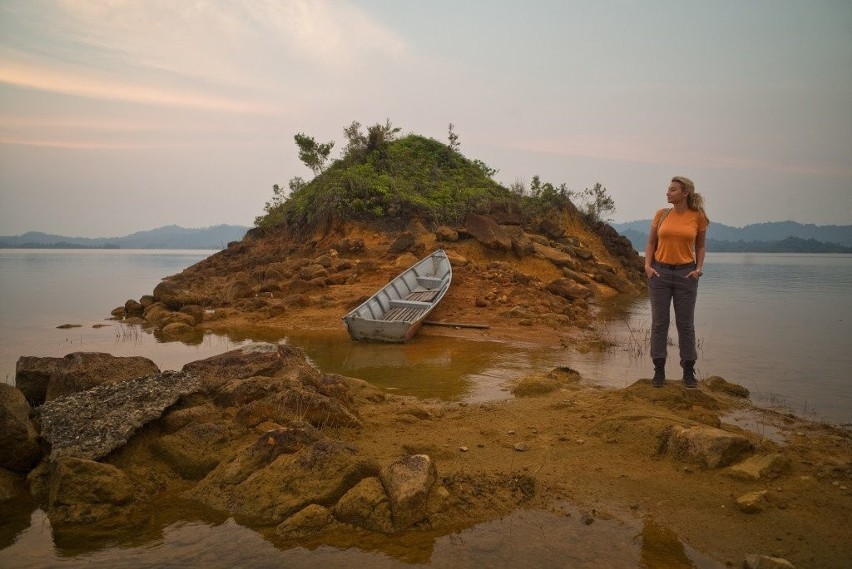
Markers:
(596, 203)
(312, 154)
(453, 137)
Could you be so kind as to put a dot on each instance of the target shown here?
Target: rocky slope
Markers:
(509, 272)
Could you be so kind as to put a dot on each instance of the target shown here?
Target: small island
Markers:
(308, 458)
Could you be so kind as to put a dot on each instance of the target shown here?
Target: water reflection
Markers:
(564, 537)
(428, 367)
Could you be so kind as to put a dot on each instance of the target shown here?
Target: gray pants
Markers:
(672, 287)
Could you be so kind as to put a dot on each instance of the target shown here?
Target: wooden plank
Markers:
(457, 324)
(422, 295)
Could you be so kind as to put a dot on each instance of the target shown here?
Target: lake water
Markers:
(777, 324)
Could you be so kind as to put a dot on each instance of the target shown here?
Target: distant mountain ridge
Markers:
(167, 237)
(777, 236)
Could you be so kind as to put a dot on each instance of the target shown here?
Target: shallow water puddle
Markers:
(755, 421)
(565, 537)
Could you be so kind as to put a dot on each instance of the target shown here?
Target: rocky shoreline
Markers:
(263, 436)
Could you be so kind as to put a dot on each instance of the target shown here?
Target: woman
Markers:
(674, 261)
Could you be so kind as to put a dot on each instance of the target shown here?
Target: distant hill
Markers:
(774, 237)
(168, 237)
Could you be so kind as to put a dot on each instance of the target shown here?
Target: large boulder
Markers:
(194, 450)
(259, 359)
(569, 289)
(559, 258)
(366, 505)
(176, 296)
(85, 491)
(408, 483)
(708, 446)
(84, 370)
(19, 448)
(296, 401)
(11, 485)
(317, 473)
(93, 423)
(488, 232)
(32, 376)
(306, 523)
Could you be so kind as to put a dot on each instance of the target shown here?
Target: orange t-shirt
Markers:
(676, 236)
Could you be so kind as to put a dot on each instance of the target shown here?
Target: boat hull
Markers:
(396, 312)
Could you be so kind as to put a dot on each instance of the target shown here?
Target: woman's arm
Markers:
(650, 250)
(700, 250)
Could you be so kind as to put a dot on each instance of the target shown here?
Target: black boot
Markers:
(689, 380)
(659, 372)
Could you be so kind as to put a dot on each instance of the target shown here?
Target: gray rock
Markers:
(93, 423)
(408, 483)
(19, 448)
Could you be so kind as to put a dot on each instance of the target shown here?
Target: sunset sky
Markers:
(123, 115)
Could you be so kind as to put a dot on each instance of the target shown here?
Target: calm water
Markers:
(778, 324)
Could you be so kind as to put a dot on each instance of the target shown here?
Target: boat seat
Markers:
(429, 282)
(396, 303)
(402, 314)
(422, 295)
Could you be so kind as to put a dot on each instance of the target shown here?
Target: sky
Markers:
(124, 115)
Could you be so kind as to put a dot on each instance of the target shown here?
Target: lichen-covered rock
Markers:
(93, 423)
(19, 448)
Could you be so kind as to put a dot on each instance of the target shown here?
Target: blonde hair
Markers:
(694, 200)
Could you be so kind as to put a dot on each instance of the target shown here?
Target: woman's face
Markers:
(676, 193)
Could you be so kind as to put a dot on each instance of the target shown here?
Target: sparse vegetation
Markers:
(381, 176)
